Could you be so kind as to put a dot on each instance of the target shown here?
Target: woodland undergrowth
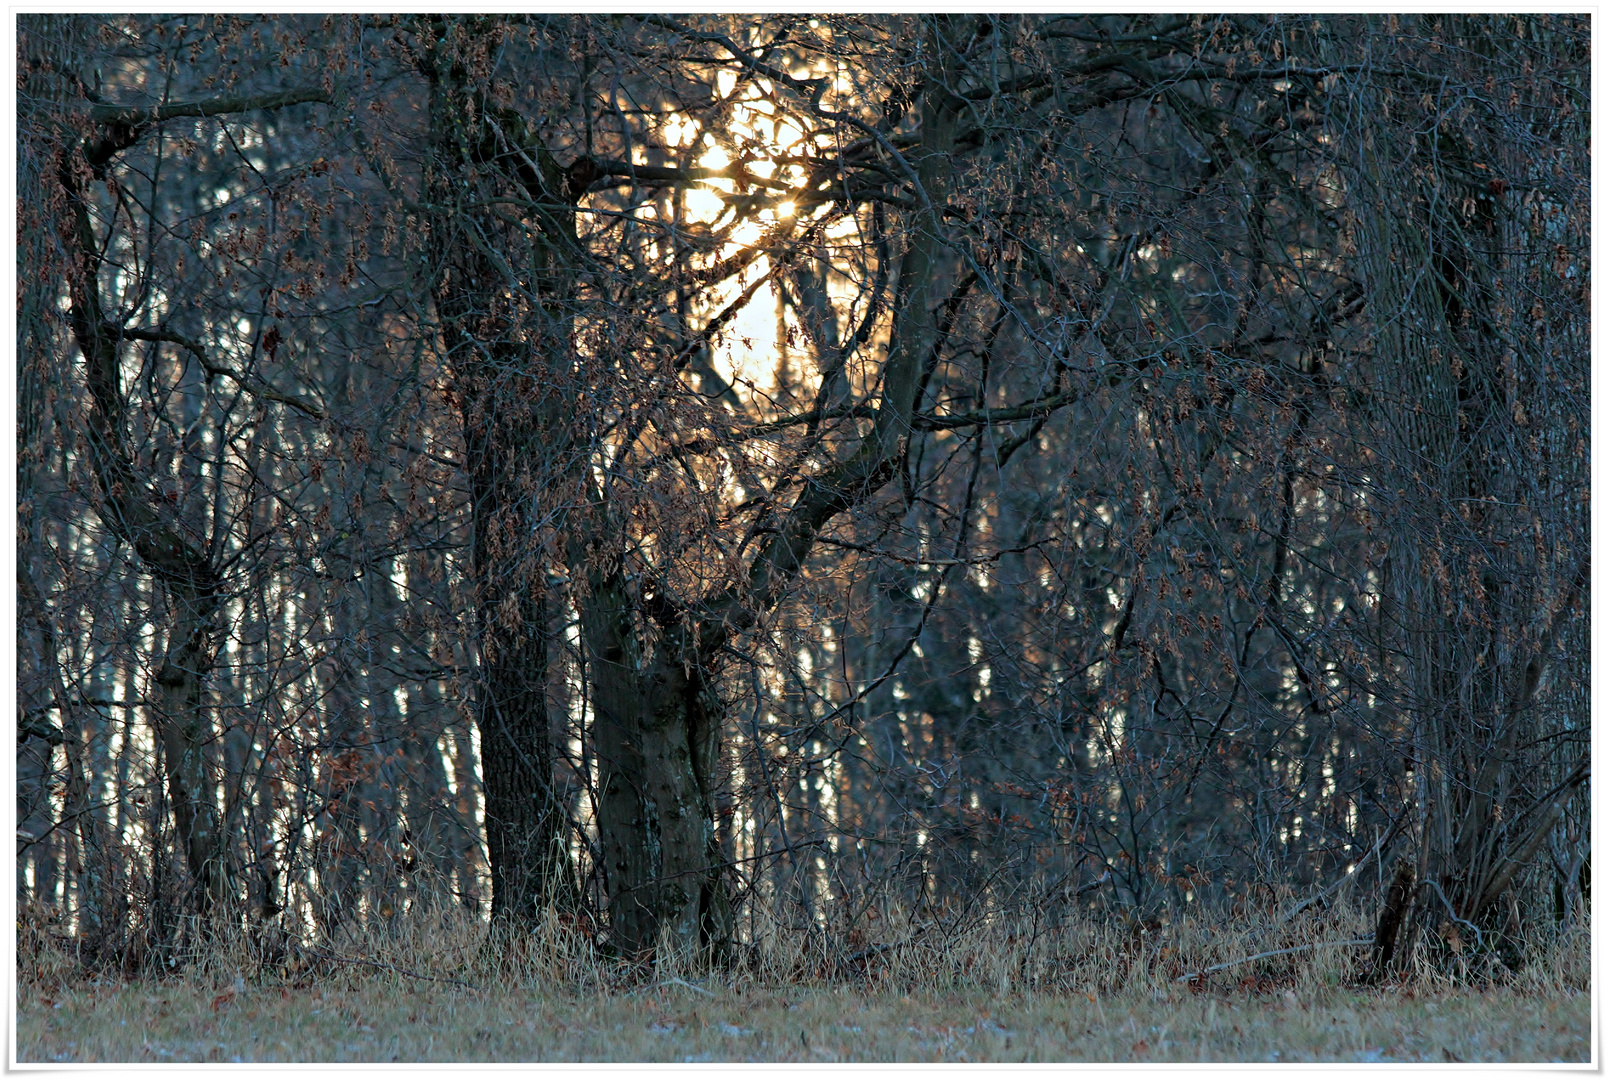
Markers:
(1003, 952)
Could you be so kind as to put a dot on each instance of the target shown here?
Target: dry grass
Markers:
(991, 993)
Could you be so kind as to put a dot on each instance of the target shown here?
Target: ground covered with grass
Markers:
(376, 1020)
(1090, 994)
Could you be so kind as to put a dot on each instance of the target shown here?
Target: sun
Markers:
(762, 340)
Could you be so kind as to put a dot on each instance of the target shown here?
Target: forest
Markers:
(709, 480)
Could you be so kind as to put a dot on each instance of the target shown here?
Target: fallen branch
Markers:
(673, 981)
(1266, 955)
(391, 968)
(1379, 848)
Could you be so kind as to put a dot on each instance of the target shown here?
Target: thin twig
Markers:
(1431, 883)
(1266, 955)
(392, 968)
(1351, 875)
(673, 981)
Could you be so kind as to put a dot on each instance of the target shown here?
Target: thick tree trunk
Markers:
(658, 742)
(658, 719)
(1477, 607)
(507, 358)
(185, 733)
(524, 822)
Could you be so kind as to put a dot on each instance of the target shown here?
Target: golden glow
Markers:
(681, 132)
(754, 343)
(788, 136)
(703, 205)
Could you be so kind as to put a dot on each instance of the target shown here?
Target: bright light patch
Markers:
(703, 205)
(681, 131)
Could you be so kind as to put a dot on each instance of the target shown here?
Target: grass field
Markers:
(1084, 994)
(377, 1021)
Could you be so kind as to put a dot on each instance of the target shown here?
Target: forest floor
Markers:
(377, 1020)
(425, 991)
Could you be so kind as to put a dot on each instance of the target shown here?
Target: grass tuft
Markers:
(436, 985)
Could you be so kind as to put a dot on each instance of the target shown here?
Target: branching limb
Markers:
(254, 386)
(121, 126)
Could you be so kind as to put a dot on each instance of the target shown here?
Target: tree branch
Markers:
(1268, 955)
(122, 125)
(133, 114)
(254, 386)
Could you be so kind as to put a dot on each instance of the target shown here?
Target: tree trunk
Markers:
(1479, 600)
(187, 576)
(185, 735)
(524, 822)
(507, 358)
(658, 740)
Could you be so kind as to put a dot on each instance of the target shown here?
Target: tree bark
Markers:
(507, 363)
(658, 737)
(524, 822)
(128, 509)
